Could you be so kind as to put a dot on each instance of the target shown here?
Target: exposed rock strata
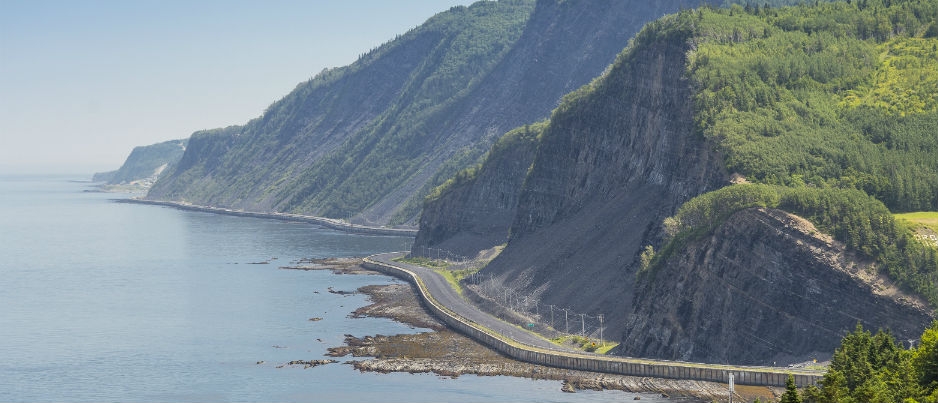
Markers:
(765, 286)
(475, 214)
(612, 164)
(617, 158)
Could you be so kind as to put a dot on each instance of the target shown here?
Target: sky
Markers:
(84, 82)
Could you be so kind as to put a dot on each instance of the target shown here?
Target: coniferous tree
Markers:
(791, 392)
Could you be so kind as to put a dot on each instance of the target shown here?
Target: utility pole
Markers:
(566, 319)
(601, 339)
(551, 316)
(583, 323)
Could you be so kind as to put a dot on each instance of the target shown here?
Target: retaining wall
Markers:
(325, 222)
(608, 364)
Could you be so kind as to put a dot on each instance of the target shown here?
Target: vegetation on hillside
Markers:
(386, 153)
(832, 110)
(877, 368)
(362, 139)
(144, 161)
(837, 95)
(922, 220)
(526, 134)
(851, 216)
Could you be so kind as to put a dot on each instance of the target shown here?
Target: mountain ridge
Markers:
(370, 140)
(623, 155)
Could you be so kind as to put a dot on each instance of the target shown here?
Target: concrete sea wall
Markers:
(761, 376)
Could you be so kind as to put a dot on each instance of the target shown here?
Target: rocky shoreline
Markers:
(449, 354)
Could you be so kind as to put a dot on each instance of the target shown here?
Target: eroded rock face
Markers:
(764, 287)
(565, 42)
(475, 215)
(613, 163)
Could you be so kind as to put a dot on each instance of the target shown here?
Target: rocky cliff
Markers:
(145, 163)
(617, 158)
(764, 287)
(473, 217)
(373, 138)
(473, 211)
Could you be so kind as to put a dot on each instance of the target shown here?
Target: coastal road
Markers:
(523, 345)
(443, 293)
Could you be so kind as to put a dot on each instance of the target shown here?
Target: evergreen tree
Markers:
(875, 368)
(791, 392)
(925, 361)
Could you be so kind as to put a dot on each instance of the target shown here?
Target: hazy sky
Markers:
(82, 82)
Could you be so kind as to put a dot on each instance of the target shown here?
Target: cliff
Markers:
(479, 215)
(473, 211)
(695, 97)
(145, 163)
(372, 139)
(766, 286)
(617, 157)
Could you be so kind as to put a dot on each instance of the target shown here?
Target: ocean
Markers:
(106, 301)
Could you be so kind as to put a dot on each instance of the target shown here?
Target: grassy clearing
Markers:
(928, 219)
(451, 278)
(424, 261)
(585, 343)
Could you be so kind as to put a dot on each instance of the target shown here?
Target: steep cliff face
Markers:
(313, 150)
(145, 163)
(623, 153)
(617, 157)
(199, 165)
(588, 31)
(372, 139)
(475, 209)
(764, 287)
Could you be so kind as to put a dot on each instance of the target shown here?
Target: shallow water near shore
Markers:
(107, 301)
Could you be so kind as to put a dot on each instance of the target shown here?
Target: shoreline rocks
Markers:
(306, 363)
(449, 354)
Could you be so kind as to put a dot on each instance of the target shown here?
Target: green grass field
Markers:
(928, 219)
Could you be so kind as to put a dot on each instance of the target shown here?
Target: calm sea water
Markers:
(104, 301)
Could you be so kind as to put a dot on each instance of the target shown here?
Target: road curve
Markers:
(444, 294)
(515, 342)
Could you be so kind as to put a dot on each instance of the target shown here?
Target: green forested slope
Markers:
(836, 95)
(368, 141)
(837, 105)
(348, 137)
(827, 109)
(387, 152)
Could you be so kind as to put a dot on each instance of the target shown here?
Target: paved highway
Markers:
(443, 293)
(521, 344)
